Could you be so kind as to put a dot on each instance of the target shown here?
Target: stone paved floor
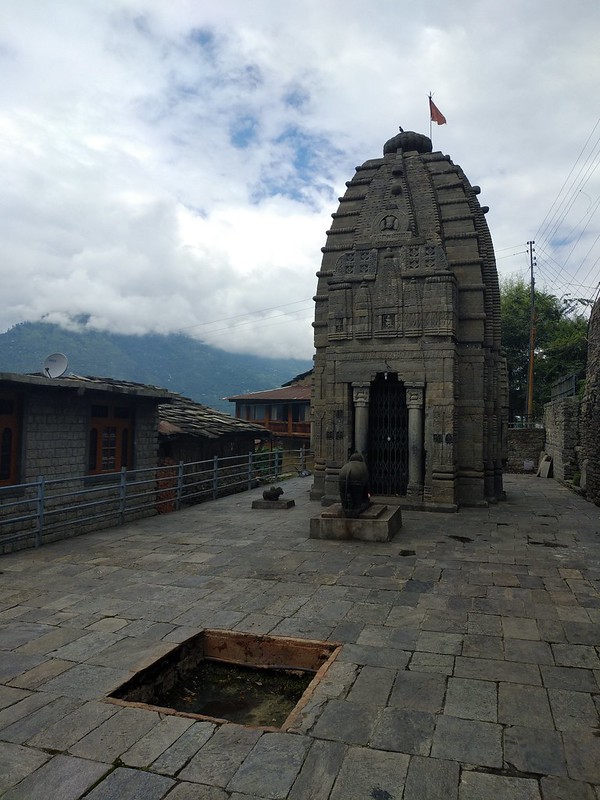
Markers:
(470, 668)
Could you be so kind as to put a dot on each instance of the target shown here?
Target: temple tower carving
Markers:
(408, 364)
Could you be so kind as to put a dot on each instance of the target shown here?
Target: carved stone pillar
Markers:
(414, 402)
(360, 397)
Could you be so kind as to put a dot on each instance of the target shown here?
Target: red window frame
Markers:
(11, 421)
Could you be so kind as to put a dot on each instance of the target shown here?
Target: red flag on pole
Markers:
(435, 114)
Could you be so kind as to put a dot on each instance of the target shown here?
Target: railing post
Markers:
(215, 476)
(179, 489)
(41, 491)
(122, 494)
(249, 471)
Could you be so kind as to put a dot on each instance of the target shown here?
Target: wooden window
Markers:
(110, 439)
(10, 438)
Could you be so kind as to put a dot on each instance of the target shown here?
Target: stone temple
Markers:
(408, 365)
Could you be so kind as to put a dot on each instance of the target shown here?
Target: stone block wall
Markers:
(524, 444)
(56, 431)
(561, 421)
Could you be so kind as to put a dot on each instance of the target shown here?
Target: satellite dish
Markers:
(55, 365)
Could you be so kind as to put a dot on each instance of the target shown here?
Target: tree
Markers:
(560, 343)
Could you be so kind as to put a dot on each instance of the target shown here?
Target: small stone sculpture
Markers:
(272, 493)
(354, 486)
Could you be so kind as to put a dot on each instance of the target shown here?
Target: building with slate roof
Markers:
(189, 431)
(408, 366)
(74, 425)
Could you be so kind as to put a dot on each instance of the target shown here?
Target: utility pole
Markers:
(532, 262)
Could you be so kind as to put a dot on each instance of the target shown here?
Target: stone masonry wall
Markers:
(524, 444)
(561, 421)
(56, 426)
(589, 424)
(55, 446)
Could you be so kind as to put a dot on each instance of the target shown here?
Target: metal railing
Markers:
(49, 509)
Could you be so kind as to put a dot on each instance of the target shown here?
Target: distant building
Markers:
(189, 431)
(284, 411)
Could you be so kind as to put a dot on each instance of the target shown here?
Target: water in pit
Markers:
(246, 695)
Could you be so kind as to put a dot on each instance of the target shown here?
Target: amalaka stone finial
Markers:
(408, 140)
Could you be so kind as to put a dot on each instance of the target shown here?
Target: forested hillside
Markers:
(175, 362)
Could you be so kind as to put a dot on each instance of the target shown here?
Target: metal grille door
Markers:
(388, 436)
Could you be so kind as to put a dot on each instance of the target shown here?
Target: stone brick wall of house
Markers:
(524, 445)
(56, 430)
(589, 424)
(561, 422)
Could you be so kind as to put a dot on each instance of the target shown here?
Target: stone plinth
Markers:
(273, 505)
(378, 523)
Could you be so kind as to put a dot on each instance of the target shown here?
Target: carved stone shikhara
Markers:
(408, 366)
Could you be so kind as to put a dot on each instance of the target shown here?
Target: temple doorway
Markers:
(388, 436)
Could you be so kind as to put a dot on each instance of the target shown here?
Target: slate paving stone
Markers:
(432, 662)
(14, 664)
(26, 727)
(131, 784)
(87, 681)
(534, 751)
(271, 767)
(16, 762)
(420, 691)
(578, 680)
(113, 737)
(9, 696)
(582, 750)
(492, 670)
(20, 633)
(443, 643)
(194, 791)
(572, 710)
(374, 656)
(23, 708)
(479, 786)
(531, 652)
(373, 686)
(554, 788)
(478, 646)
(520, 628)
(156, 741)
(431, 779)
(524, 705)
(344, 721)
(468, 741)
(62, 777)
(551, 630)
(216, 761)
(404, 731)
(86, 646)
(38, 676)
(319, 771)
(371, 774)
(470, 699)
(74, 726)
(569, 655)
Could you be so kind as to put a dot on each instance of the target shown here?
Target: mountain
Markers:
(175, 362)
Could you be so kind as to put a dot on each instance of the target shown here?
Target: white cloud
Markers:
(172, 166)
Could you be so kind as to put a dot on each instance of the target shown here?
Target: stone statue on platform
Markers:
(354, 486)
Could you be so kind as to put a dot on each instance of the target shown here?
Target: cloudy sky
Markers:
(171, 165)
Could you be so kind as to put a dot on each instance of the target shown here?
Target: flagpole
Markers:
(430, 120)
